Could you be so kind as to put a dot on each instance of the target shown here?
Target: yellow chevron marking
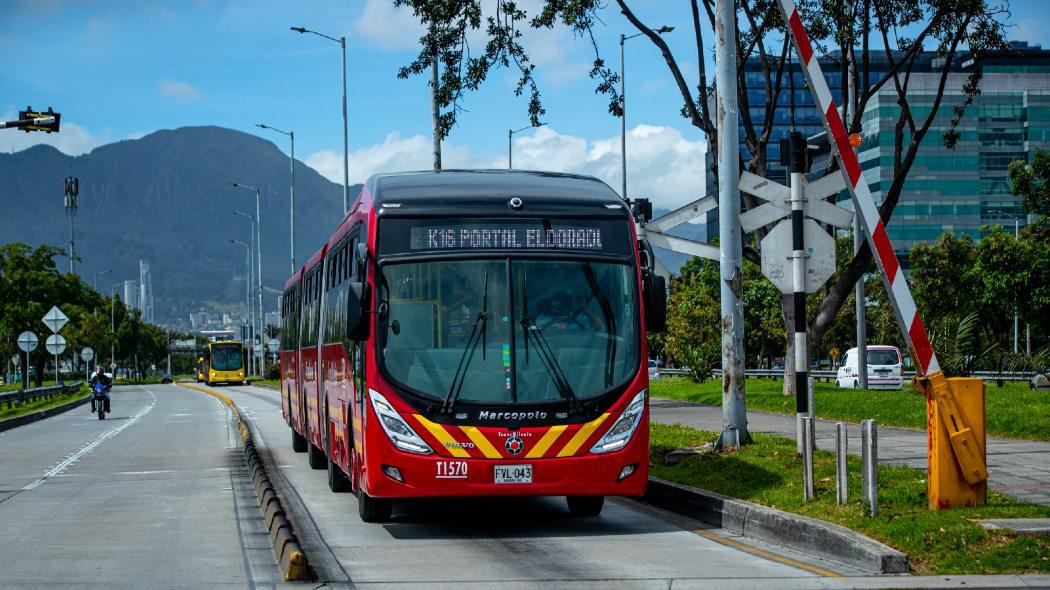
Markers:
(581, 436)
(546, 441)
(482, 443)
(443, 436)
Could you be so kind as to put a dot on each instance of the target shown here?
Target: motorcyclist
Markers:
(101, 377)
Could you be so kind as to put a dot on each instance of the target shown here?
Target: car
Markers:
(884, 368)
(654, 369)
(1040, 380)
(165, 378)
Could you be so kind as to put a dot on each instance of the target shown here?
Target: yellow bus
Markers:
(223, 362)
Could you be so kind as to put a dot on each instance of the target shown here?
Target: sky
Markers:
(118, 70)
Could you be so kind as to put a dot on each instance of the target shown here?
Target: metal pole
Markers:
(112, 326)
(346, 140)
(796, 155)
(807, 458)
(510, 149)
(435, 113)
(250, 318)
(869, 450)
(623, 123)
(291, 216)
(861, 309)
(1016, 229)
(734, 411)
(258, 245)
(841, 455)
(71, 253)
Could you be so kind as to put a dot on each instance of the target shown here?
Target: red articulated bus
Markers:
(475, 333)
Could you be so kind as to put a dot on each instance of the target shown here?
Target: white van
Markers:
(884, 368)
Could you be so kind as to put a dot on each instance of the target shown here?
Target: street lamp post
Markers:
(251, 240)
(258, 257)
(623, 106)
(247, 287)
(291, 217)
(1017, 229)
(346, 145)
(97, 273)
(510, 145)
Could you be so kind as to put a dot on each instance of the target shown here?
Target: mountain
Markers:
(166, 198)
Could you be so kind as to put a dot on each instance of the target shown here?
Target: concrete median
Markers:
(291, 559)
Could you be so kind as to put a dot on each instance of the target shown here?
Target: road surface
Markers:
(153, 496)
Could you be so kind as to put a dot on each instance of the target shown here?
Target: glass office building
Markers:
(958, 190)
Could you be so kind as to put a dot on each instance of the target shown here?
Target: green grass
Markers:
(1012, 411)
(271, 382)
(7, 412)
(937, 542)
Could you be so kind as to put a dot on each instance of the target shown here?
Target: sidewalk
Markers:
(1018, 468)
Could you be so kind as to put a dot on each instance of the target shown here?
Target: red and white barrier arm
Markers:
(896, 285)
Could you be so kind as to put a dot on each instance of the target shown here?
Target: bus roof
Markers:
(455, 188)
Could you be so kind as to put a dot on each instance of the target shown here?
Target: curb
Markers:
(41, 414)
(290, 556)
(776, 527)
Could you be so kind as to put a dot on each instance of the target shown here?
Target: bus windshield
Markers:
(541, 327)
(226, 358)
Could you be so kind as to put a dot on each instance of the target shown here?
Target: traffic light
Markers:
(29, 113)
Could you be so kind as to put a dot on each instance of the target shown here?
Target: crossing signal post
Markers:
(30, 120)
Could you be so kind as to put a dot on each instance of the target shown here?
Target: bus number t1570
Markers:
(451, 469)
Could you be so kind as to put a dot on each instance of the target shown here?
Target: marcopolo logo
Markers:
(487, 415)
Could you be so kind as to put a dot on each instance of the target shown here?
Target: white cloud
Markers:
(178, 90)
(71, 139)
(388, 27)
(662, 164)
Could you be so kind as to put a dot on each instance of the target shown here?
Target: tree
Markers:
(693, 328)
(838, 26)
(1032, 181)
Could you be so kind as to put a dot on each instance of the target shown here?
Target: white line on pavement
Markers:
(70, 460)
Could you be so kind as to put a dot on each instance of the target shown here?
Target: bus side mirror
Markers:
(357, 311)
(655, 293)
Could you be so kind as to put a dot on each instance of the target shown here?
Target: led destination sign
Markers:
(504, 237)
(605, 236)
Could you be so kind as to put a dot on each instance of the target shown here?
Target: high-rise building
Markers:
(958, 190)
(131, 294)
(146, 292)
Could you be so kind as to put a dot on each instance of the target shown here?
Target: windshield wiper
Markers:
(610, 323)
(547, 357)
(475, 337)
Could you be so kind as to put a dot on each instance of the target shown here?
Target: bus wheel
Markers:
(315, 457)
(298, 442)
(585, 505)
(338, 481)
(373, 509)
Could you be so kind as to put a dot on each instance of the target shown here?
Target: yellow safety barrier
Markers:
(956, 443)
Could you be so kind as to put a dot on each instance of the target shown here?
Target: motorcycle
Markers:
(98, 398)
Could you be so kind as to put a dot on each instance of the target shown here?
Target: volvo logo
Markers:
(514, 444)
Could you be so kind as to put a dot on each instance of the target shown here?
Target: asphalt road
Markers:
(154, 496)
(512, 542)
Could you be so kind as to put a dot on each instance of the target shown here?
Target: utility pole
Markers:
(435, 112)
(860, 308)
(72, 189)
(291, 165)
(734, 411)
(623, 124)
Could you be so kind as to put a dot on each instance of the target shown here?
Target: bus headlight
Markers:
(623, 429)
(397, 430)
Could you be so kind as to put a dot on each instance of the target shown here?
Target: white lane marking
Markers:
(70, 460)
(142, 472)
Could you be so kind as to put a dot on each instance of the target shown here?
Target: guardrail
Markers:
(16, 398)
(829, 376)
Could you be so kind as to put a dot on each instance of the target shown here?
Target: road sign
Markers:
(274, 344)
(55, 319)
(14, 360)
(258, 348)
(55, 344)
(87, 354)
(112, 366)
(48, 121)
(776, 256)
(27, 341)
(779, 201)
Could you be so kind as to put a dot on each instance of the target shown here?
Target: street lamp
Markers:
(623, 105)
(291, 218)
(1017, 227)
(510, 146)
(247, 285)
(99, 272)
(251, 240)
(346, 149)
(258, 251)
